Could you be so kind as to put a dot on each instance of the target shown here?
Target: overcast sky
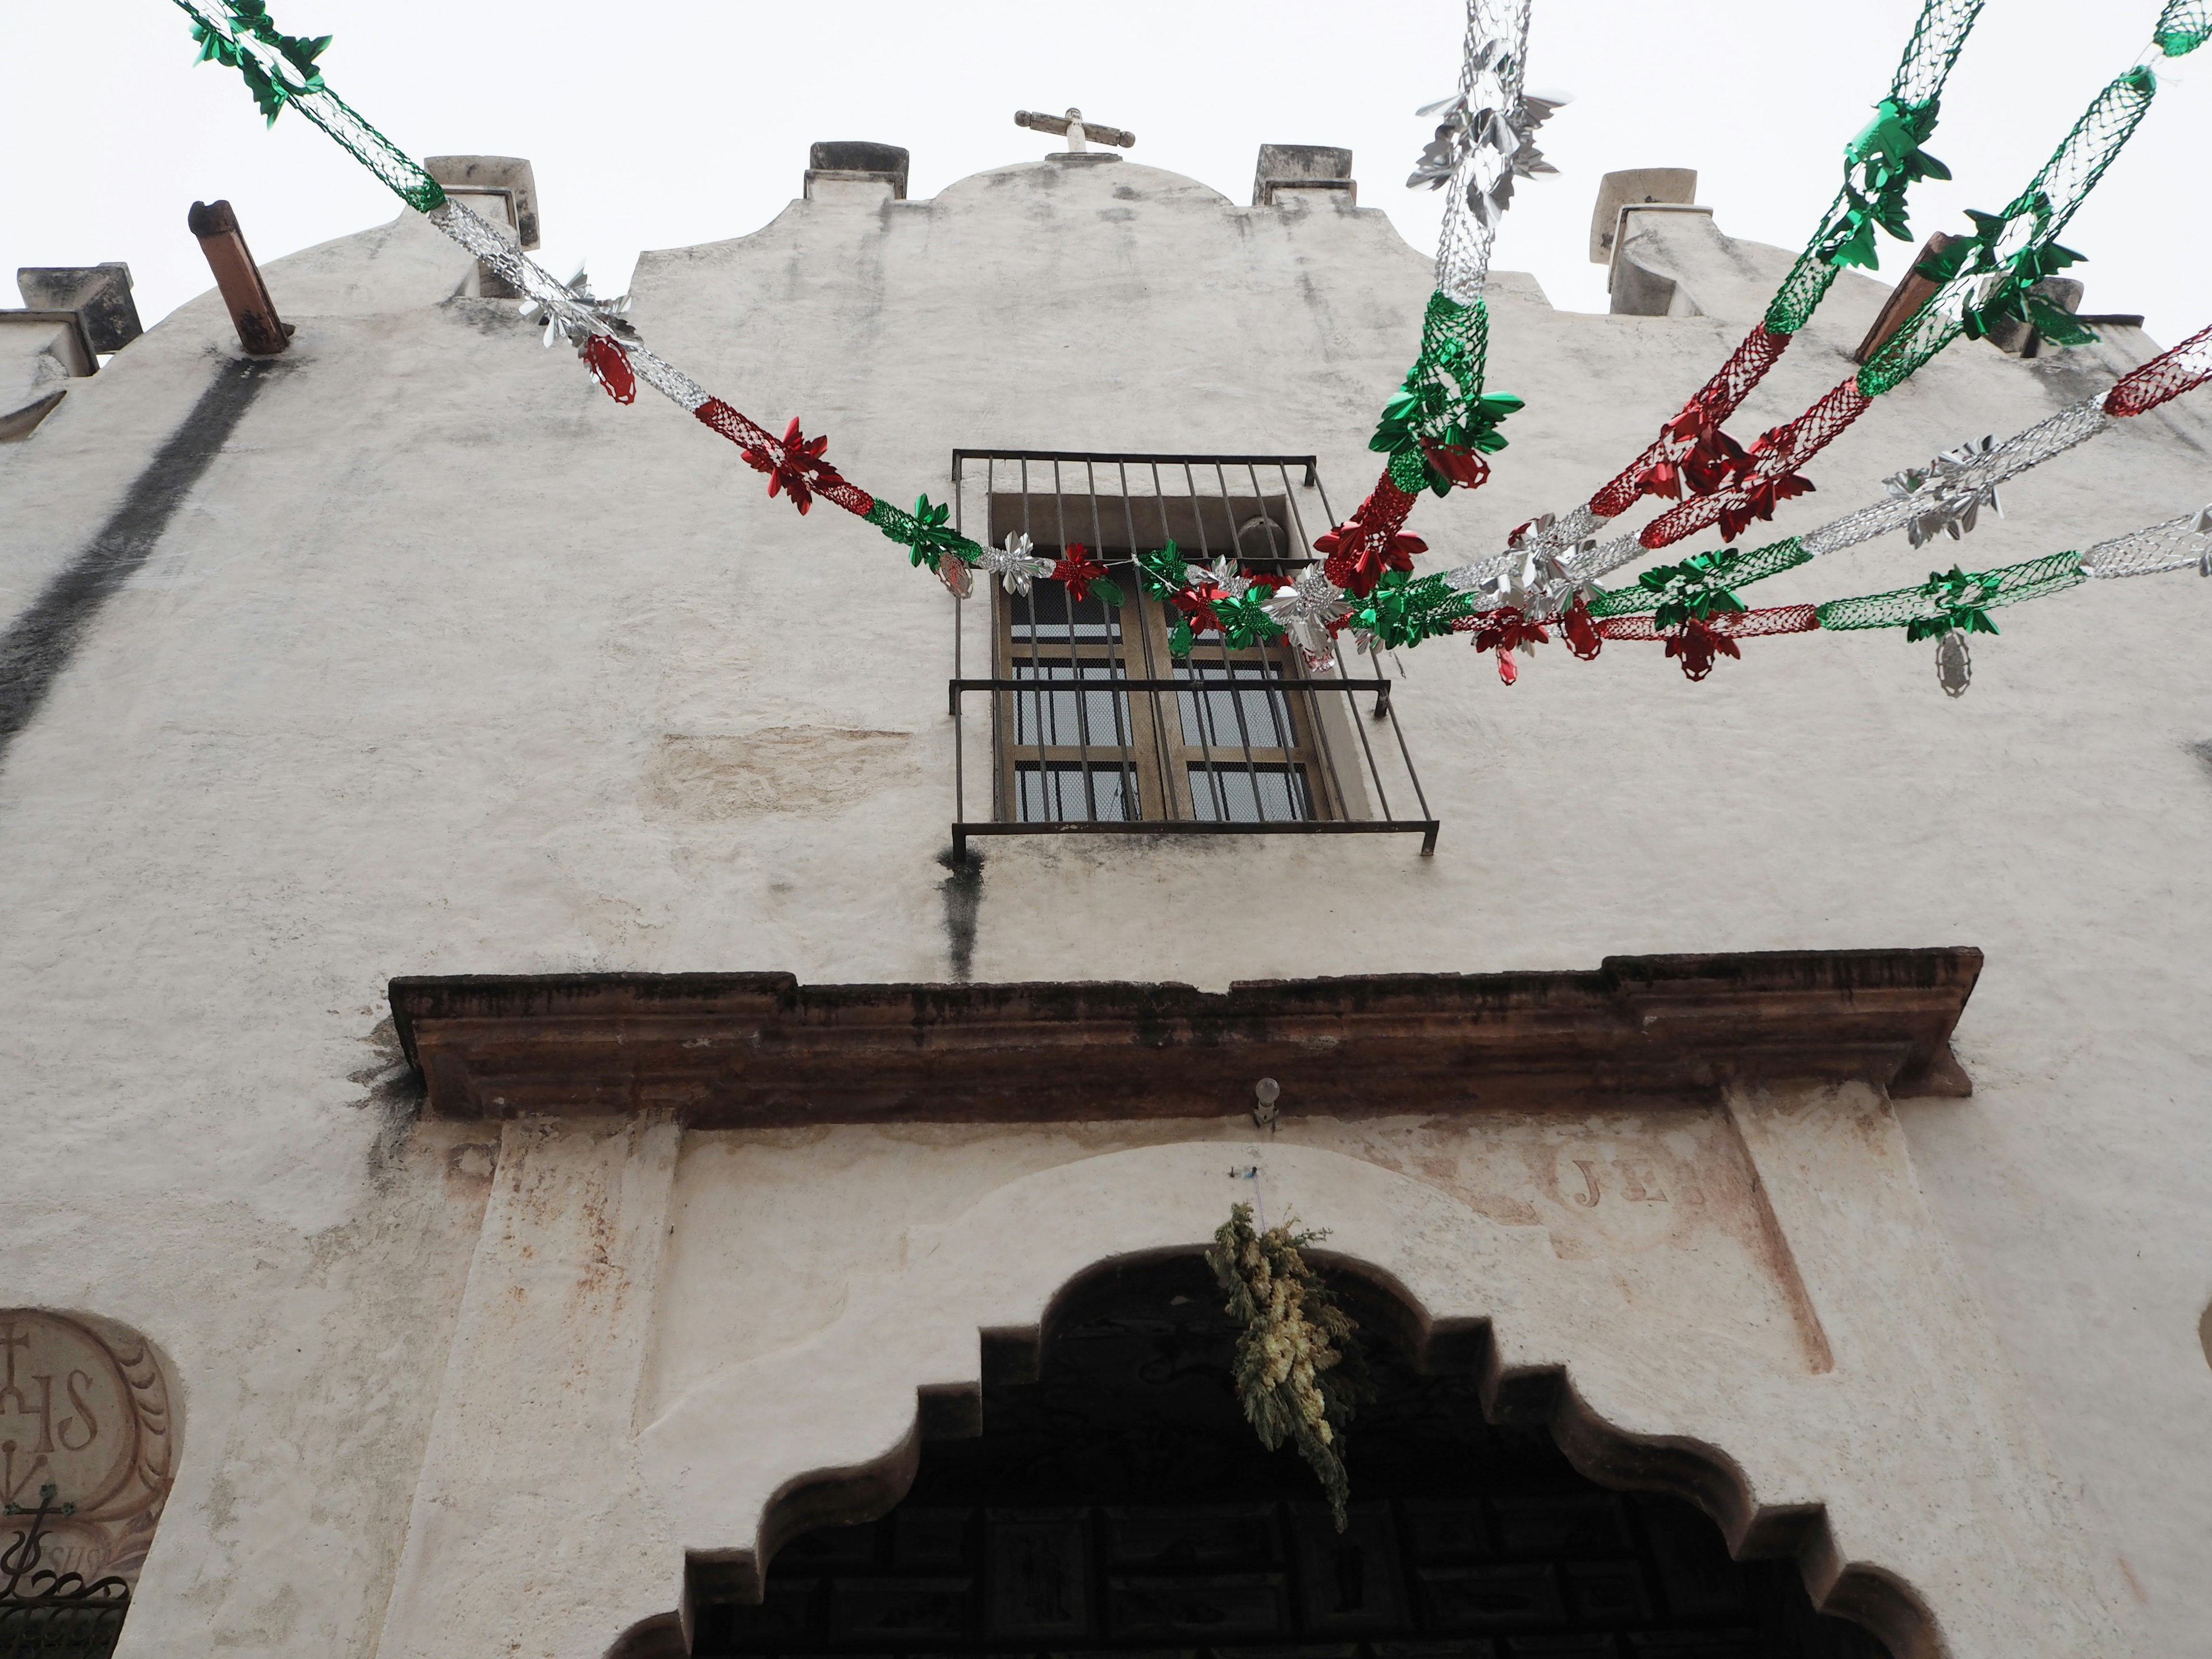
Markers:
(659, 123)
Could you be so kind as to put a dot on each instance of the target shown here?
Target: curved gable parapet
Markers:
(1031, 228)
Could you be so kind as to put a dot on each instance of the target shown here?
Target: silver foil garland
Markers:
(563, 310)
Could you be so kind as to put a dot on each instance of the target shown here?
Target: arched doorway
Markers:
(1117, 1504)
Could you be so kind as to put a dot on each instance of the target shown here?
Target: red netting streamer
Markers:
(1736, 624)
(740, 431)
(733, 426)
(848, 494)
(1779, 454)
(2165, 376)
(1719, 398)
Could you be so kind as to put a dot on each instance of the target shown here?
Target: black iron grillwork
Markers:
(1094, 728)
(49, 1615)
(1117, 1504)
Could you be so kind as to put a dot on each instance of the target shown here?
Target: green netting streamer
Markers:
(1951, 599)
(2050, 200)
(2183, 27)
(1728, 570)
(279, 71)
(1402, 610)
(1441, 402)
(1875, 179)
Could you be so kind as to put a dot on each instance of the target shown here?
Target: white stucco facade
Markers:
(446, 663)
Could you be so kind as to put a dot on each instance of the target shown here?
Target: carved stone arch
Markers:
(1451, 1287)
(89, 1438)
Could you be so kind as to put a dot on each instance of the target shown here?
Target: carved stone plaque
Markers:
(85, 1409)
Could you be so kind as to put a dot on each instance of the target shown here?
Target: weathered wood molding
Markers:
(743, 1050)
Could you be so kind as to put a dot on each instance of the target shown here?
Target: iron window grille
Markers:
(52, 1612)
(1092, 727)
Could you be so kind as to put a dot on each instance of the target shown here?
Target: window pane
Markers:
(1230, 719)
(1249, 794)
(1055, 792)
(1070, 718)
(1050, 612)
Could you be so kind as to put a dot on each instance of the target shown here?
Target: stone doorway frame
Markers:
(1902, 1471)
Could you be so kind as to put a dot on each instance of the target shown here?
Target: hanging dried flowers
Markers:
(1299, 1371)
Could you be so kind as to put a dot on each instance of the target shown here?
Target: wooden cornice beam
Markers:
(759, 1050)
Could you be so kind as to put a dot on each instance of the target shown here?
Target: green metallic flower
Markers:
(1244, 619)
(1693, 589)
(1402, 611)
(250, 19)
(924, 532)
(1880, 166)
(1958, 600)
(1163, 571)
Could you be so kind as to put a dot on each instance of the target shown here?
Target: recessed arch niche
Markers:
(88, 1454)
(1102, 1494)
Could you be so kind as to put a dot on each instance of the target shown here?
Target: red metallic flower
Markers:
(1757, 499)
(609, 363)
(1713, 462)
(1506, 631)
(1358, 556)
(1661, 478)
(1196, 604)
(1457, 463)
(1710, 461)
(795, 465)
(1076, 567)
(1694, 425)
(1695, 643)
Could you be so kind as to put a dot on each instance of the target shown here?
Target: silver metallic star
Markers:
(1305, 608)
(1015, 564)
(1948, 495)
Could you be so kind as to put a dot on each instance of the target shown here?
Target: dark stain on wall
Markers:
(963, 903)
(39, 644)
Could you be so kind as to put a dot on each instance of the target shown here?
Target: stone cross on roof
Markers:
(1076, 128)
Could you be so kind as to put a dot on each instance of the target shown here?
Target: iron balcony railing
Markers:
(1091, 726)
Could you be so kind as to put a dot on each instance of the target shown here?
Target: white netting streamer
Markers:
(1489, 128)
(2176, 544)
(574, 317)
(2076, 423)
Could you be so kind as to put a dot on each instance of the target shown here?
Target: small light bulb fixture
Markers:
(1266, 1091)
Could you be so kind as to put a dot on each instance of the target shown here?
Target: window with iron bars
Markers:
(1093, 725)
